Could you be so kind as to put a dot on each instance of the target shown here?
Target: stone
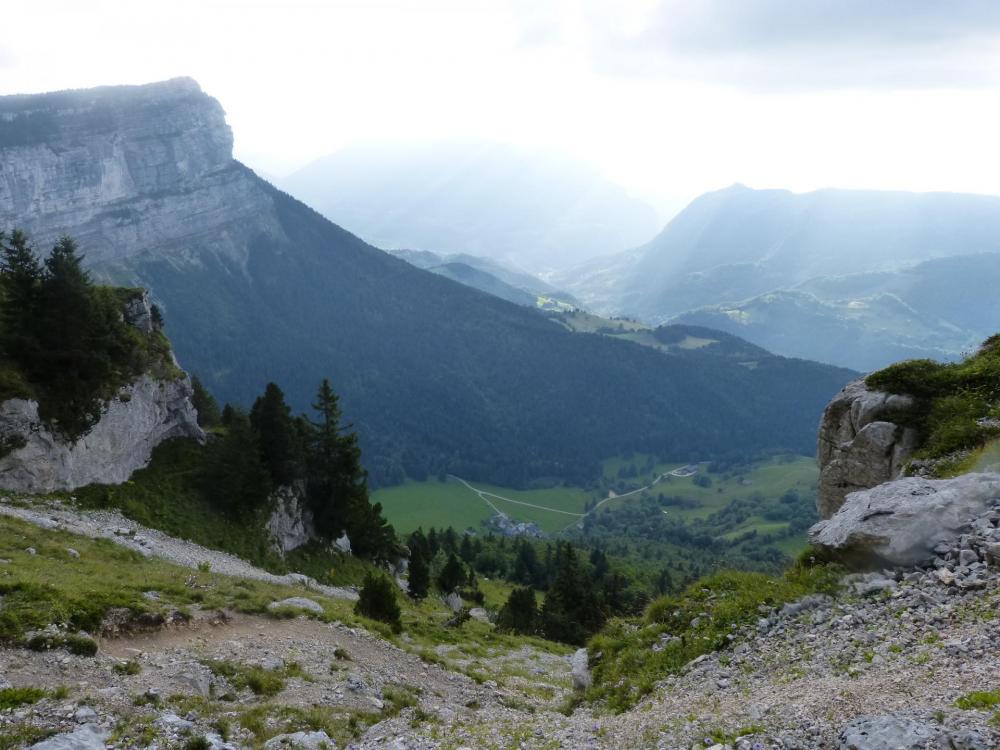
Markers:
(297, 602)
(580, 669)
(87, 737)
(144, 414)
(301, 741)
(453, 601)
(290, 524)
(901, 522)
(343, 544)
(893, 732)
(171, 722)
(73, 553)
(85, 715)
(857, 448)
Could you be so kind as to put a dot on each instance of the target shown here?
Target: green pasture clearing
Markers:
(441, 504)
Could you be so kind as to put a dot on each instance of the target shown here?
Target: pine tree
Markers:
(20, 276)
(571, 611)
(234, 476)
(205, 404)
(377, 600)
(519, 613)
(452, 575)
(338, 485)
(420, 575)
(271, 419)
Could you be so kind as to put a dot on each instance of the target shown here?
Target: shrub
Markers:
(14, 697)
(519, 613)
(378, 601)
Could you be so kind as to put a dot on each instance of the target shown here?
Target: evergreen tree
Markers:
(20, 276)
(519, 613)
(338, 487)
(420, 575)
(234, 476)
(571, 612)
(205, 404)
(271, 419)
(452, 575)
(377, 600)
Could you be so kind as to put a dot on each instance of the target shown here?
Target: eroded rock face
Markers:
(291, 522)
(858, 446)
(127, 170)
(903, 521)
(140, 417)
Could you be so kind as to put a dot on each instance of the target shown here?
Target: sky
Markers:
(668, 98)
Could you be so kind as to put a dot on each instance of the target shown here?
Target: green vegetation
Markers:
(66, 341)
(982, 700)
(51, 588)
(704, 617)
(14, 697)
(378, 601)
(260, 681)
(956, 406)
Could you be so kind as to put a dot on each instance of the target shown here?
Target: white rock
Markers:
(290, 524)
(88, 737)
(580, 670)
(298, 602)
(146, 413)
(301, 741)
(901, 522)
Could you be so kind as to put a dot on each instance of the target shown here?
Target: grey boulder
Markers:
(301, 741)
(580, 669)
(297, 602)
(901, 522)
(892, 732)
(88, 737)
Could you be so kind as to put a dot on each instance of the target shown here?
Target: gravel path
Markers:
(152, 543)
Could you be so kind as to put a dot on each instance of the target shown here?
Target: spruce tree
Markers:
(377, 600)
(452, 575)
(205, 404)
(420, 575)
(234, 476)
(20, 276)
(520, 612)
(272, 420)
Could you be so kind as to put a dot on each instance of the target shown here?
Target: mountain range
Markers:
(435, 376)
(855, 278)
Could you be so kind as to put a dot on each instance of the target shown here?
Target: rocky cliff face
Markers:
(141, 416)
(126, 170)
(858, 446)
(290, 524)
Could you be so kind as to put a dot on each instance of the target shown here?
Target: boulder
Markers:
(893, 732)
(301, 741)
(453, 601)
(88, 737)
(297, 602)
(858, 445)
(901, 522)
(580, 669)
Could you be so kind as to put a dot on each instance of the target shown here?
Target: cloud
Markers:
(815, 44)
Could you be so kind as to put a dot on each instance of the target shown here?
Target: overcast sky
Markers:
(669, 98)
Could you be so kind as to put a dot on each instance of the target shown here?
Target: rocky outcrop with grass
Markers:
(156, 406)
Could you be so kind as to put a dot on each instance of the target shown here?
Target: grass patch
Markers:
(981, 700)
(953, 403)
(14, 697)
(703, 618)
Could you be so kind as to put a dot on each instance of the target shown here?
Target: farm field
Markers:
(451, 503)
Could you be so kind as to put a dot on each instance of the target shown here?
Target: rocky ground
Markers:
(879, 667)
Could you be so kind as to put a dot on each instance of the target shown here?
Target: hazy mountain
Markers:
(536, 208)
(841, 276)
(490, 276)
(434, 375)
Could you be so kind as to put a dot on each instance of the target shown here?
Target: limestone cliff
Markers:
(142, 414)
(126, 170)
(858, 445)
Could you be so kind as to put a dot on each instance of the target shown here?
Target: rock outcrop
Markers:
(858, 445)
(908, 521)
(291, 522)
(143, 415)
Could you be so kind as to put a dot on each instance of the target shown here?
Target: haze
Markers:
(669, 99)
